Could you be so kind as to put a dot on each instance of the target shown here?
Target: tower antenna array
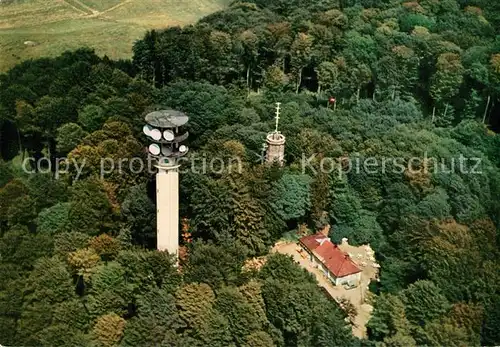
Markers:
(277, 115)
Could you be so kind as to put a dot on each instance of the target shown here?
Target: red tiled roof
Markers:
(330, 255)
(312, 241)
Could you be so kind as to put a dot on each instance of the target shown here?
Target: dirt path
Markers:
(92, 11)
(116, 6)
(73, 7)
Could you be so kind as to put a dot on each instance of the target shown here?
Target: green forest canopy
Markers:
(410, 79)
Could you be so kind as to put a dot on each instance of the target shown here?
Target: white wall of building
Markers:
(354, 278)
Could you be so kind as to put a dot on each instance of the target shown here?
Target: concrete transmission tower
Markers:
(165, 129)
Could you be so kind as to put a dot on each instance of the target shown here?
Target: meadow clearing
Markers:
(45, 28)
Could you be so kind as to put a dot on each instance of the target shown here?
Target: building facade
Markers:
(336, 265)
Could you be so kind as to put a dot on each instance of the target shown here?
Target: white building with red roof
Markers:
(337, 266)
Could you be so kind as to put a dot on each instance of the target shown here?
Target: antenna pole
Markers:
(277, 115)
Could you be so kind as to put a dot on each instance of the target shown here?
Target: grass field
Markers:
(40, 28)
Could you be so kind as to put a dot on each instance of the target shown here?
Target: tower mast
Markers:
(277, 115)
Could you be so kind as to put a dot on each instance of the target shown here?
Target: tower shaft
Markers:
(275, 148)
(167, 202)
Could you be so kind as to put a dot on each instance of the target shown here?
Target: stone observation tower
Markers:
(275, 142)
(165, 129)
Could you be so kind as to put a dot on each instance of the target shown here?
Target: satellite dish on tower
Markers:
(147, 130)
(155, 134)
(154, 149)
(168, 135)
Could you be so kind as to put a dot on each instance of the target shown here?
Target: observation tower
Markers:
(275, 142)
